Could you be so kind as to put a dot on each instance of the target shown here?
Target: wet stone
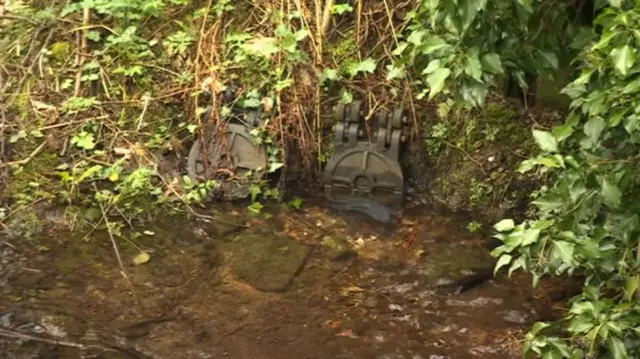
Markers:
(338, 249)
(267, 262)
(457, 266)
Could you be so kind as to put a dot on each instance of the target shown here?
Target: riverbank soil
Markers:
(303, 284)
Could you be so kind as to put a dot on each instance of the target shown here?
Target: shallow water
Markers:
(303, 284)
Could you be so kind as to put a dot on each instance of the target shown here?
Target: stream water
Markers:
(302, 284)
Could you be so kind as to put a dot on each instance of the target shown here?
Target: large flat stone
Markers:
(267, 262)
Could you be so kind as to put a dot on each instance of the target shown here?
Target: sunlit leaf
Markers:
(617, 348)
(504, 225)
(437, 80)
(545, 140)
(611, 193)
(623, 59)
(564, 250)
(594, 127)
(502, 261)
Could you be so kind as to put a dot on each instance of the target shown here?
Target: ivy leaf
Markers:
(611, 193)
(549, 203)
(504, 225)
(623, 59)
(616, 346)
(368, 65)
(492, 63)
(395, 72)
(433, 65)
(545, 140)
(436, 81)
(274, 166)
(329, 74)
(594, 127)
(564, 250)
(503, 261)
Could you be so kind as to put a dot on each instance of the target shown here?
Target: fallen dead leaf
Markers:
(347, 333)
(141, 258)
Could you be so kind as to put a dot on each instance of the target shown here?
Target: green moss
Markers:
(61, 50)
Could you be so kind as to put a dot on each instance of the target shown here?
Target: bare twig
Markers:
(466, 154)
(83, 49)
(113, 240)
(28, 159)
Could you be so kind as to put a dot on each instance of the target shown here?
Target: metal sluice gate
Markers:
(363, 166)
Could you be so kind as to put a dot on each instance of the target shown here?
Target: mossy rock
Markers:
(268, 262)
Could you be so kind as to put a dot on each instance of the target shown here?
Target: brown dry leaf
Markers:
(347, 333)
(348, 290)
(267, 104)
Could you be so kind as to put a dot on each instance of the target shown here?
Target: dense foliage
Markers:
(587, 223)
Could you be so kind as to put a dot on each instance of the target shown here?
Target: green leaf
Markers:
(551, 59)
(623, 59)
(395, 72)
(616, 3)
(368, 66)
(611, 193)
(83, 140)
(616, 116)
(526, 4)
(537, 327)
(504, 225)
(472, 65)
(594, 127)
(503, 261)
(545, 140)
(530, 236)
(400, 49)
(549, 203)
(631, 286)
(564, 251)
(436, 81)
(274, 166)
(329, 74)
(433, 66)
(433, 43)
(631, 124)
(562, 132)
(492, 63)
(617, 348)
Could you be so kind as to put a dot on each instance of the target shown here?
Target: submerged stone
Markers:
(268, 262)
(338, 249)
(457, 266)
